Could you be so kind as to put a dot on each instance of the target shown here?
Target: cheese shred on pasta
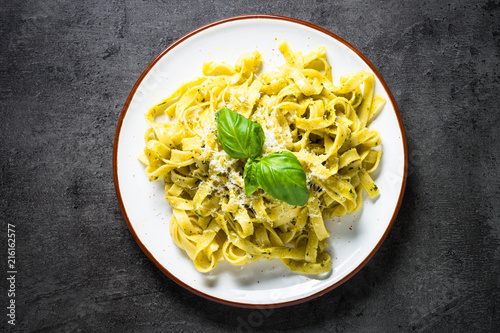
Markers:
(300, 110)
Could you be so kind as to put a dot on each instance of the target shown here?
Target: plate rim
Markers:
(127, 105)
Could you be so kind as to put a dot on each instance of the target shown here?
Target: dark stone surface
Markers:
(66, 68)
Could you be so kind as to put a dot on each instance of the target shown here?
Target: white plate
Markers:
(354, 239)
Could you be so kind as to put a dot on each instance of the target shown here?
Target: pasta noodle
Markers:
(300, 110)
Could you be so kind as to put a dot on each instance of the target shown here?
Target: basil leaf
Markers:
(282, 177)
(250, 177)
(240, 137)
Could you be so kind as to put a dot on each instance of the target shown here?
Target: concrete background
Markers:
(66, 68)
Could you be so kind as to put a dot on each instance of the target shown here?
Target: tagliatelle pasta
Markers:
(301, 111)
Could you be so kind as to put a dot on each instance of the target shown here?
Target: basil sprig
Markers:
(279, 174)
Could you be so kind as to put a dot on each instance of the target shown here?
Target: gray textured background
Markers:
(66, 68)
